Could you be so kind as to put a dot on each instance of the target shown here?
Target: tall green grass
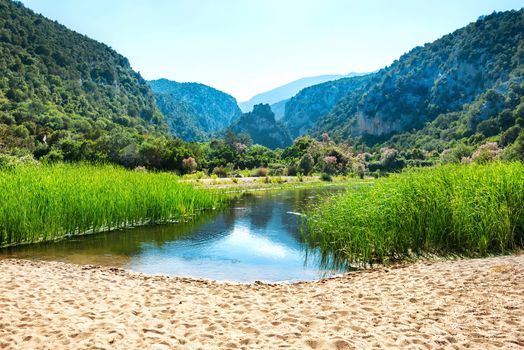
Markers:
(48, 202)
(470, 210)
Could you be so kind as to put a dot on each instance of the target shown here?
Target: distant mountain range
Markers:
(467, 86)
(285, 92)
(194, 112)
(65, 96)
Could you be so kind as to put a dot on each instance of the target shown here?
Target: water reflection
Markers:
(257, 239)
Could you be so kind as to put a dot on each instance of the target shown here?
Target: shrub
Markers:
(456, 154)
(261, 172)
(220, 171)
(390, 159)
(189, 165)
(510, 135)
(277, 180)
(487, 152)
(359, 169)
(330, 165)
(53, 156)
(306, 164)
(326, 177)
(291, 170)
(276, 169)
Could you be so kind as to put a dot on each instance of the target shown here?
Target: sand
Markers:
(476, 304)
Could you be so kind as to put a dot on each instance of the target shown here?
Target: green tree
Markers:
(306, 164)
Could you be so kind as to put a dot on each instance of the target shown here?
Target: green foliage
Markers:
(50, 202)
(221, 171)
(292, 170)
(306, 164)
(515, 152)
(453, 209)
(261, 172)
(298, 148)
(510, 135)
(65, 96)
(263, 129)
(464, 126)
(466, 86)
(277, 169)
(456, 154)
(326, 177)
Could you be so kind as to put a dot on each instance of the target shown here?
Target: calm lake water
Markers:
(258, 238)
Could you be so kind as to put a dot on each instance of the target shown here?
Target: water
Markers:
(258, 238)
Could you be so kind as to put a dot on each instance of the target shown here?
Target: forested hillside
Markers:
(66, 96)
(467, 86)
(194, 111)
(303, 110)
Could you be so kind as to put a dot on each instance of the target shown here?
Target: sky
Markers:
(245, 47)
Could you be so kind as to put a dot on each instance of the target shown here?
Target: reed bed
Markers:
(50, 202)
(469, 210)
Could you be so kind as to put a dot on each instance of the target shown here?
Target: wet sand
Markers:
(476, 304)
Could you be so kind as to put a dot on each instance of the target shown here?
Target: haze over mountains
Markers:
(304, 109)
(194, 112)
(285, 92)
(62, 90)
(458, 85)
(197, 112)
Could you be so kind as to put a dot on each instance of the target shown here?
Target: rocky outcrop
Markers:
(436, 79)
(261, 126)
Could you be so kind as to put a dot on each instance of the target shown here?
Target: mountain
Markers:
(279, 109)
(57, 85)
(304, 109)
(287, 91)
(467, 85)
(261, 126)
(194, 111)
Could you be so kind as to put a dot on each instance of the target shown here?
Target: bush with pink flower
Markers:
(189, 165)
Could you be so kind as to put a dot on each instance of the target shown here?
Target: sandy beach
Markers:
(458, 304)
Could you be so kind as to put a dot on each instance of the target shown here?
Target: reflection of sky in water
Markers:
(247, 244)
(258, 239)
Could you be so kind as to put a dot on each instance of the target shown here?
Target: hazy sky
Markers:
(244, 47)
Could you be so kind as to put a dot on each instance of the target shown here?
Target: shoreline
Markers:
(477, 303)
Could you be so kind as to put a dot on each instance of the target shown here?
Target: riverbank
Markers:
(41, 203)
(271, 183)
(475, 303)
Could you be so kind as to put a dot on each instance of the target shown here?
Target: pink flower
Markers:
(330, 160)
